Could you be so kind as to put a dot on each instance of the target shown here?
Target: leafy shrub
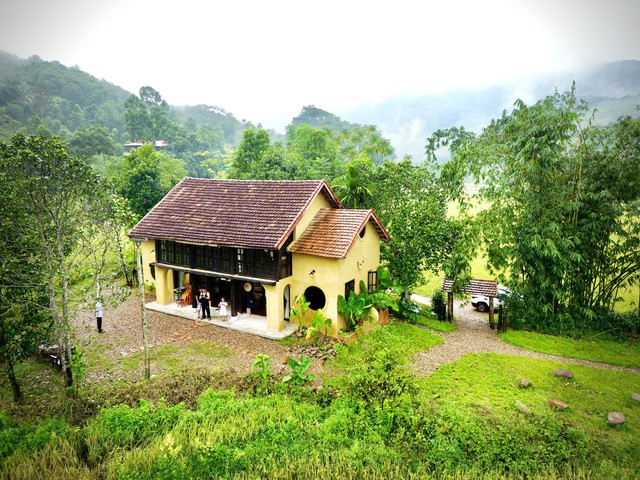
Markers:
(381, 373)
(438, 303)
(618, 324)
(408, 310)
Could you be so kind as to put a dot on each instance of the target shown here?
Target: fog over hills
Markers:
(613, 88)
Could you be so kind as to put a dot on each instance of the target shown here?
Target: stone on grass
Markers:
(562, 373)
(559, 404)
(524, 383)
(284, 359)
(616, 418)
(522, 407)
(636, 396)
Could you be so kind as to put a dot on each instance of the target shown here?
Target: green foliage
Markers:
(298, 376)
(412, 206)
(355, 309)
(262, 372)
(29, 438)
(125, 427)
(319, 325)
(562, 221)
(78, 369)
(438, 303)
(146, 176)
(299, 310)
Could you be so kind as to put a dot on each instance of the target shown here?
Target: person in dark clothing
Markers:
(204, 298)
(99, 315)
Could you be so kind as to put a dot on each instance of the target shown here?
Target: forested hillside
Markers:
(95, 117)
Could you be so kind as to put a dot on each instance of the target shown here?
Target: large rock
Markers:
(636, 396)
(524, 383)
(562, 373)
(522, 407)
(616, 418)
(559, 404)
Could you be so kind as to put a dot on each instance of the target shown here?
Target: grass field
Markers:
(626, 354)
(375, 420)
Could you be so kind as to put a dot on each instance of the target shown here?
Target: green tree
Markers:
(315, 153)
(354, 187)
(55, 191)
(93, 140)
(563, 217)
(253, 147)
(146, 176)
(412, 206)
(24, 318)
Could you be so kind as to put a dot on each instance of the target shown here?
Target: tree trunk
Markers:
(66, 340)
(123, 262)
(143, 315)
(15, 386)
(450, 306)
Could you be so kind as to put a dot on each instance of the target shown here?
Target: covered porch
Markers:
(243, 322)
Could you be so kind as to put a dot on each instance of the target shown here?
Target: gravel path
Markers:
(474, 336)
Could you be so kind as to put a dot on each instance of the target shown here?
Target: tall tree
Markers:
(24, 319)
(564, 209)
(146, 176)
(55, 190)
(412, 206)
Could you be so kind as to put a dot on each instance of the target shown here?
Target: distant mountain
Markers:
(613, 88)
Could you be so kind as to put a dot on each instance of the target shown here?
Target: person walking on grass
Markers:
(99, 315)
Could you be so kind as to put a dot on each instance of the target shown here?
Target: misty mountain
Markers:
(407, 121)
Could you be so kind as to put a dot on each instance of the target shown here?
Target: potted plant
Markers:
(383, 301)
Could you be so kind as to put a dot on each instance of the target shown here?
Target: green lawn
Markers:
(626, 354)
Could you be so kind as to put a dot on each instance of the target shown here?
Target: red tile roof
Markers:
(332, 232)
(233, 213)
(487, 288)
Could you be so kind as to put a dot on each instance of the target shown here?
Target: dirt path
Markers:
(474, 336)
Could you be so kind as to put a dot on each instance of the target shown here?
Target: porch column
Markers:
(275, 307)
(163, 296)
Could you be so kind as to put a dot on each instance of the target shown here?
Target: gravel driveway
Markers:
(474, 336)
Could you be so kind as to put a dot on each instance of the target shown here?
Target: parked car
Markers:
(481, 303)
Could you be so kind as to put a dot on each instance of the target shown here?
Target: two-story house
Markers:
(259, 244)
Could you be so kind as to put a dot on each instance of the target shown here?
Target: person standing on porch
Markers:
(223, 309)
(204, 303)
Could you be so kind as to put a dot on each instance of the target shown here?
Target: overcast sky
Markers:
(264, 60)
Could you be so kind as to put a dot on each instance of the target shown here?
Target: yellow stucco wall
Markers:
(331, 275)
(318, 203)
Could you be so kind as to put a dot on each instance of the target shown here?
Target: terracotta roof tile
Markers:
(234, 213)
(487, 288)
(332, 232)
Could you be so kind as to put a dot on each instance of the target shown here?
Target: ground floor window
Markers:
(349, 287)
(372, 281)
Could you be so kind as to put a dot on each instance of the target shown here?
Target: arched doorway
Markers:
(287, 302)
